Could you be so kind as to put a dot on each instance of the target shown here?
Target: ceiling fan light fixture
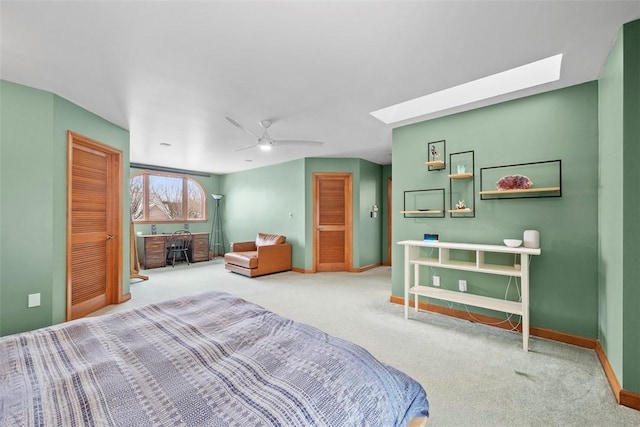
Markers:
(265, 142)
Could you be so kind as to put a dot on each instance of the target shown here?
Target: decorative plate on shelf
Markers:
(514, 182)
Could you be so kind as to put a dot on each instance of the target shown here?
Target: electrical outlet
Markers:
(33, 300)
(462, 285)
(436, 280)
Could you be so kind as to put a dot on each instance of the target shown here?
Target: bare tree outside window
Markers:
(196, 201)
(136, 198)
(163, 197)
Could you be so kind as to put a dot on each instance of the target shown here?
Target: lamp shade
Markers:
(217, 196)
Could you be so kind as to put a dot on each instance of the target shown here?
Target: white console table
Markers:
(412, 256)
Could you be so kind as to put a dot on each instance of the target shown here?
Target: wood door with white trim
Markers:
(94, 226)
(332, 221)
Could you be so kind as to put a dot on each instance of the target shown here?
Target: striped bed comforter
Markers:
(205, 360)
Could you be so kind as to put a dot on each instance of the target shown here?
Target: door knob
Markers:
(109, 236)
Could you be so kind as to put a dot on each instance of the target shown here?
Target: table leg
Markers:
(524, 269)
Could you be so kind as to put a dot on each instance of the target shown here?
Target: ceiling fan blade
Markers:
(296, 142)
(239, 126)
(247, 148)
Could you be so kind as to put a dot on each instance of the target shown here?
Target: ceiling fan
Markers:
(265, 142)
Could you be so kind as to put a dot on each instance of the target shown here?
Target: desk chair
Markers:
(178, 243)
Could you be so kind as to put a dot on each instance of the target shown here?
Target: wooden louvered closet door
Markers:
(94, 226)
(332, 221)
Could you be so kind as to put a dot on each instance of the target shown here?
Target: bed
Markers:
(205, 360)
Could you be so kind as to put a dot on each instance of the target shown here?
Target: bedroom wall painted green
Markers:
(34, 148)
(261, 199)
(631, 178)
(610, 204)
(556, 125)
(269, 199)
(26, 177)
(367, 190)
(619, 201)
(386, 174)
(369, 233)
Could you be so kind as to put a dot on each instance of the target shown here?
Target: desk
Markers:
(154, 249)
(413, 256)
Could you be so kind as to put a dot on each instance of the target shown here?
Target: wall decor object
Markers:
(462, 185)
(514, 182)
(522, 180)
(424, 203)
(436, 155)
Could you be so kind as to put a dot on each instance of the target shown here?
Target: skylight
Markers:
(526, 76)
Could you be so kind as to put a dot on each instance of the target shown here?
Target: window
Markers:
(164, 197)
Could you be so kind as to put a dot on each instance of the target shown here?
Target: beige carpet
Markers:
(474, 375)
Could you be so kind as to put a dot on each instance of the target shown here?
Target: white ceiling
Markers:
(170, 71)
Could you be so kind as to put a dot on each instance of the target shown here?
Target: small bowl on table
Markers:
(512, 243)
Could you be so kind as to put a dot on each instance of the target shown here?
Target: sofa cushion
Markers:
(269, 239)
(242, 259)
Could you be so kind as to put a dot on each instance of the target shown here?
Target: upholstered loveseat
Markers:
(269, 253)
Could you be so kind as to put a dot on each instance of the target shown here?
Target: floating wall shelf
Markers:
(462, 184)
(528, 190)
(435, 163)
(422, 211)
(546, 177)
(424, 203)
(461, 175)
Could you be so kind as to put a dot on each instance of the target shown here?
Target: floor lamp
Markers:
(217, 239)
